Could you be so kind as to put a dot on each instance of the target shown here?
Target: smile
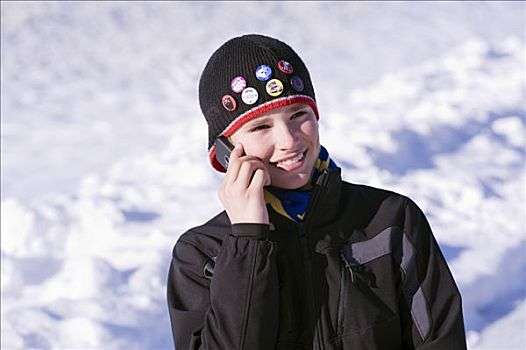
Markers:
(291, 163)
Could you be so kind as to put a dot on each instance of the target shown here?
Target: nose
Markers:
(286, 137)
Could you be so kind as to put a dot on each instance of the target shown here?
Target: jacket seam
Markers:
(420, 331)
(182, 240)
(204, 262)
(423, 335)
(341, 300)
(416, 321)
(362, 330)
(247, 303)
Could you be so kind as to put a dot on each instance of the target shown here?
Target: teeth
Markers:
(292, 160)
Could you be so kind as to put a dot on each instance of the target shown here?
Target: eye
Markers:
(298, 114)
(259, 128)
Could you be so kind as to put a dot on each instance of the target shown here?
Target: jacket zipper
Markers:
(307, 262)
(341, 304)
(307, 256)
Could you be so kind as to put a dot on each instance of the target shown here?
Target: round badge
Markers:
(229, 103)
(297, 83)
(249, 95)
(285, 67)
(238, 84)
(263, 72)
(274, 87)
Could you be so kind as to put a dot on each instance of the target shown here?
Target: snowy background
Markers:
(104, 160)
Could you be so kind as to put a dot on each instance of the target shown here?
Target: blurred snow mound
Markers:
(449, 133)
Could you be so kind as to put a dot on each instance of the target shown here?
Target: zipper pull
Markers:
(323, 178)
(350, 267)
(353, 277)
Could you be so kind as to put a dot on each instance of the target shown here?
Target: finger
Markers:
(258, 180)
(237, 151)
(247, 171)
(234, 163)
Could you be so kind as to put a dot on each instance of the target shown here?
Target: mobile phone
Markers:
(223, 149)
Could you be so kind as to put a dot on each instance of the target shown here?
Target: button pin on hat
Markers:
(285, 67)
(238, 84)
(229, 103)
(263, 72)
(249, 95)
(274, 87)
(297, 83)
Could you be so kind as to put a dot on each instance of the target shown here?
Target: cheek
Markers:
(310, 129)
(256, 149)
(254, 145)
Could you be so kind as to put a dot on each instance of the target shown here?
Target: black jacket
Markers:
(362, 272)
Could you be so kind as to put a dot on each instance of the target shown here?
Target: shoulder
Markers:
(371, 194)
(206, 238)
(376, 207)
(365, 196)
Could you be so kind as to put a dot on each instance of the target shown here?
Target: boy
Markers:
(300, 258)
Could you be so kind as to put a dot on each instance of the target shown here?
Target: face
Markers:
(286, 139)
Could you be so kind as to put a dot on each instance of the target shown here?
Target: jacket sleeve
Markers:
(430, 302)
(238, 307)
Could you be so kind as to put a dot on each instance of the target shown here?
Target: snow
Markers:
(506, 333)
(104, 160)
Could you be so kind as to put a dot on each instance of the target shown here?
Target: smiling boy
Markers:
(300, 258)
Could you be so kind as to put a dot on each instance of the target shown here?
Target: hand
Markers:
(241, 192)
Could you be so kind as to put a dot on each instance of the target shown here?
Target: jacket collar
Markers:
(323, 206)
(326, 198)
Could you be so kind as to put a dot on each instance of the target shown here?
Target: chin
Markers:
(298, 178)
(293, 183)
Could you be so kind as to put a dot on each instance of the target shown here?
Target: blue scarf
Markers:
(292, 204)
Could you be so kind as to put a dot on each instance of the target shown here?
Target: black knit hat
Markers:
(246, 77)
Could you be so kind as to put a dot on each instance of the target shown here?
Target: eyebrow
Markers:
(262, 120)
(297, 108)
(256, 122)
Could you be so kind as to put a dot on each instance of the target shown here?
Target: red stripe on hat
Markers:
(212, 156)
(256, 112)
(265, 107)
